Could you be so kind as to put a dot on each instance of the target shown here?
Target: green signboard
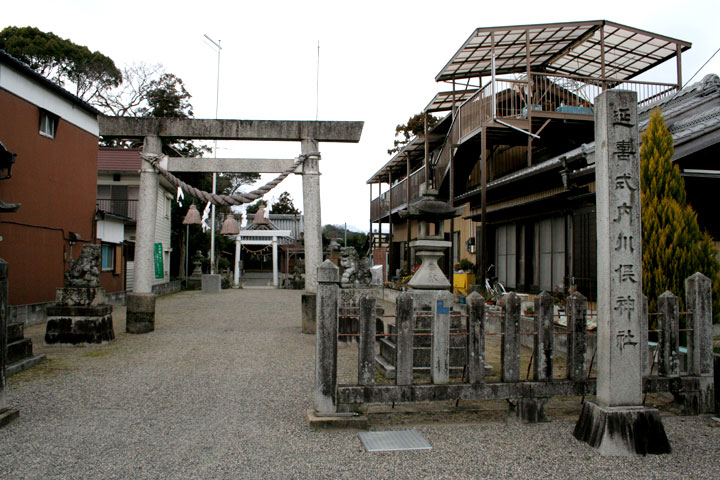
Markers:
(159, 271)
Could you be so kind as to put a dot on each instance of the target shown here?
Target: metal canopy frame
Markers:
(599, 49)
(445, 101)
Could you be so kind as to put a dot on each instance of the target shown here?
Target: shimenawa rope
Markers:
(219, 199)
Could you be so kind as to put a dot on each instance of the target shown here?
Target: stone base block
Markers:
(80, 296)
(309, 313)
(351, 421)
(529, 410)
(7, 415)
(211, 283)
(140, 313)
(73, 329)
(622, 431)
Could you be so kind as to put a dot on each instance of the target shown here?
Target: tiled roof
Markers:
(119, 160)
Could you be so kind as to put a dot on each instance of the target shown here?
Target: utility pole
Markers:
(214, 181)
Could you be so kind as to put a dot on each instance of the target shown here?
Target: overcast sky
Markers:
(378, 61)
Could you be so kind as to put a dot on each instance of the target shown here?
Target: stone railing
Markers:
(694, 388)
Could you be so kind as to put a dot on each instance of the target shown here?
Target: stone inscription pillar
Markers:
(141, 302)
(618, 424)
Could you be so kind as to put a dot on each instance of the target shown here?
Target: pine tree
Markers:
(673, 245)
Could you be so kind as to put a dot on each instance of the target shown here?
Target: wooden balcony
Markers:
(123, 208)
(380, 207)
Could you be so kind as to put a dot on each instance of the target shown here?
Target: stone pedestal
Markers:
(73, 325)
(622, 431)
(79, 316)
(140, 313)
(211, 283)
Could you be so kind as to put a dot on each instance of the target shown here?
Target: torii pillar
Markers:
(140, 317)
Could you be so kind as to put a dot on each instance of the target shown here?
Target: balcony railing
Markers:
(379, 207)
(125, 208)
(552, 96)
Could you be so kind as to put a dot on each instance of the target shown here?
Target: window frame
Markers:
(48, 124)
(105, 249)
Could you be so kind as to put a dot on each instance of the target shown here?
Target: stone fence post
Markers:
(510, 349)
(669, 344)
(328, 276)
(476, 338)
(405, 318)
(698, 301)
(577, 336)
(544, 337)
(366, 346)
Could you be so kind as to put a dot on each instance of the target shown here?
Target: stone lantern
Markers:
(428, 210)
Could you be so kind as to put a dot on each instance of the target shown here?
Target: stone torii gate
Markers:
(141, 302)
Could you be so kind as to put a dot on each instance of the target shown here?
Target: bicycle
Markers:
(492, 285)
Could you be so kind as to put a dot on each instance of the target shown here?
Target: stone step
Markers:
(421, 355)
(19, 350)
(25, 363)
(425, 340)
(15, 331)
(388, 369)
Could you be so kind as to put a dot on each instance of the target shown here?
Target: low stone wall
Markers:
(29, 314)
(35, 313)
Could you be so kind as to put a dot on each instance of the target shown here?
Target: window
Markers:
(550, 250)
(48, 124)
(108, 257)
(506, 254)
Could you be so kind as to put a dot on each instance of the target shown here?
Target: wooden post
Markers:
(328, 277)
(510, 350)
(476, 338)
(405, 316)
(366, 349)
(577, 338)
(669, 344)
(544, 337)
(440, 354)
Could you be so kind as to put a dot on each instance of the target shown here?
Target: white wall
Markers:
(111, 230)
(162, 229)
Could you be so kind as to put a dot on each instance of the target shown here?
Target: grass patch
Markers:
(97, 353)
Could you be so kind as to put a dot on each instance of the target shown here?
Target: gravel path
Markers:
(220, 390)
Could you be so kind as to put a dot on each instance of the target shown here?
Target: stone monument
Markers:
(80, 313)
(617, 423)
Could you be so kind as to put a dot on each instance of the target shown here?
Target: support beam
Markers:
(204, 129)
(231, 165)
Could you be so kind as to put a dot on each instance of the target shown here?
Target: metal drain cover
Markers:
(393, 440)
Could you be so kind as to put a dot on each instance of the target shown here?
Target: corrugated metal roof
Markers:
(573, 48)
(118, 160)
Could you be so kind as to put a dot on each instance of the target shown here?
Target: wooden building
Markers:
(515, 148)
